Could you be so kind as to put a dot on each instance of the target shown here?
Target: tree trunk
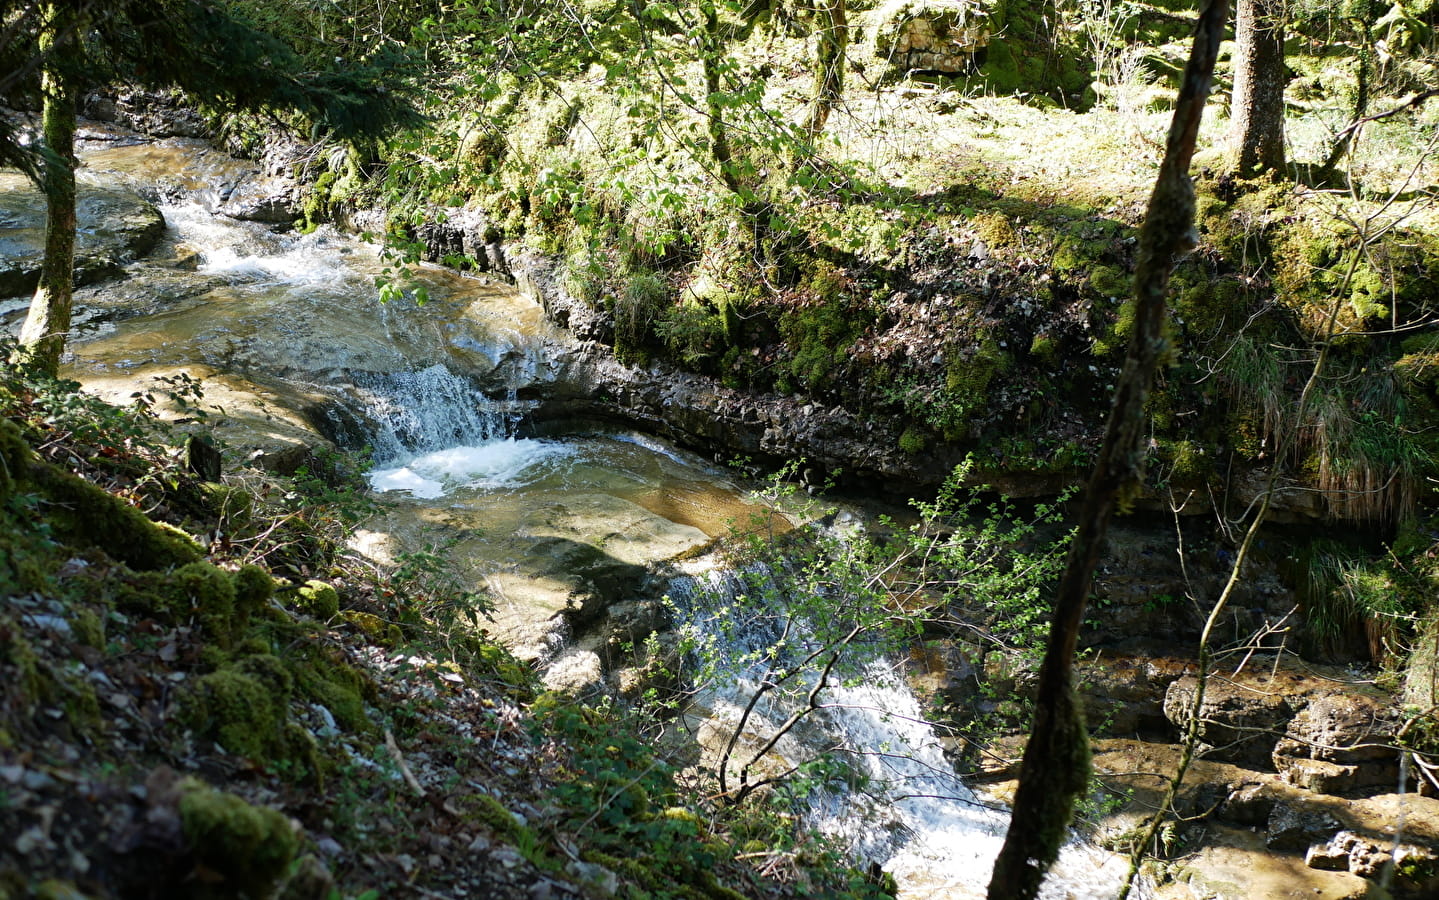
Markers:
(831, 38)
(42, 339)
(1055, 769)
(1256, 112)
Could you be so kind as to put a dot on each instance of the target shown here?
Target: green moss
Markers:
(248, 847)
(1110, 281)
(15, 457)
(493, 813)
(319, 599)
(21, 668)
(995, 230)
(231, 505)
(88, 627)
(237, 707)
(1044, 347)
(85, 514)
(913, 440)
(340, 688)
(1186, 460)
(55, 889)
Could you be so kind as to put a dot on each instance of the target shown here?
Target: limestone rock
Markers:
(1340, 743)
(1294, 827)
(574, 671)
(115, 226)
(1240, 719)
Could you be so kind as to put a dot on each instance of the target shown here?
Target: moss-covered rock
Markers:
(243, 708)
(318, 599)
(248, 847)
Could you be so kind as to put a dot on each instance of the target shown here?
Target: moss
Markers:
(1110, 281)
(913, 440)
(55, 889)
(88, 627)
(995, 230)
(493, 813)
(15, 456)
(318, 599)
(21, 669)
(231, 505)
(373, 627)
(339, 687)
(85, 514)
(235, 707)
(1044, 347)
(248, 847)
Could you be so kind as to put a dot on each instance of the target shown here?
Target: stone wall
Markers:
(944, 36)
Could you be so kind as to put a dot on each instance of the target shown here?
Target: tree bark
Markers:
(47, 325)
(831, 37)
(1055, 769)
(1257, 108)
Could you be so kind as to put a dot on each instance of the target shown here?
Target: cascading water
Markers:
(901, 805)
(435, 432)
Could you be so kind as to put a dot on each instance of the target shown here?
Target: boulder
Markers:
(1241, 719)
(1340, 743)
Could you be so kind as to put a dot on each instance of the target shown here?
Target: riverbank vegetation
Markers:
(925, 213)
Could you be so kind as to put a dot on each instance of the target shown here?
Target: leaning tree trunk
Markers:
(1055, 769)
(42, 338)
(1256, 112)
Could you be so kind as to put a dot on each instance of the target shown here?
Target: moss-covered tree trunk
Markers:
(1257, 110)
(42, 339)
(831, 36)
(1055, 769)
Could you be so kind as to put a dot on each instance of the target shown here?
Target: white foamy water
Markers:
(907, 809)
(244, 251)
(499, 464)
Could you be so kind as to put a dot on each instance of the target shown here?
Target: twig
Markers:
(400, 764)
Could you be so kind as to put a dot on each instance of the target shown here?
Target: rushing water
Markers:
(902, 805)
(287, 333)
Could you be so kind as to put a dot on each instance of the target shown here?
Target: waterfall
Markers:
(433, 432)
(902, 805)
(429, 410)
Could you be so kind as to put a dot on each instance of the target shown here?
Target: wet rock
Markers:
(462, 239)
(156, 113)
(115, 226)
(1294, 827)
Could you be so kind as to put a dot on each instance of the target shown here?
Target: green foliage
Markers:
(1353, 604)
(816, 607)
(637, 309)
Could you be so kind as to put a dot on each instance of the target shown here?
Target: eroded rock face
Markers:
(717, 421)
(1317, 730)
(1340, 744)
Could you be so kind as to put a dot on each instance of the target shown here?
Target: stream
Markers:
(291, 345)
